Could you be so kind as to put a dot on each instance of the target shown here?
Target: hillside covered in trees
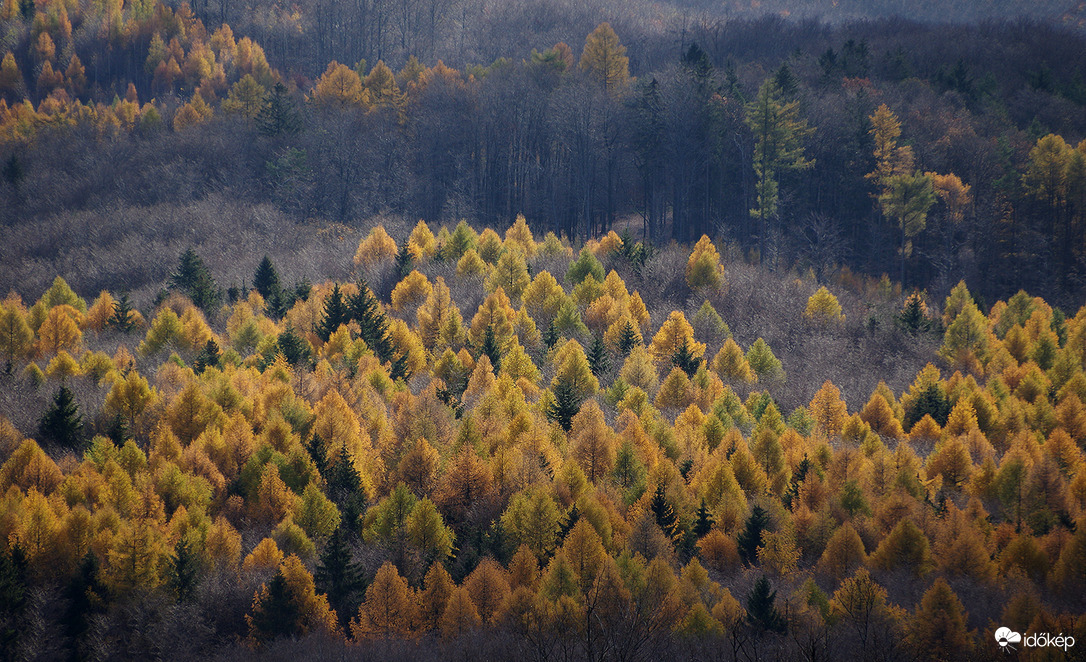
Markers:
(932, 152)
(495, 444)
(729, 330)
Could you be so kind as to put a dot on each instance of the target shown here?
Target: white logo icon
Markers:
(1005, 637)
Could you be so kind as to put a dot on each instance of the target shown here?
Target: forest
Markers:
(538, 330)
(498, 446)
(934, 153)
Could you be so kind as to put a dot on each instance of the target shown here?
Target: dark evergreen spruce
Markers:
(798, 477)
(117, 430)
(207, 358)
(372, 322)
(912, 317)
(317, 452)
(598, 360)
(398, 369)
(122, 318)
(294, 349)
(568, 522)
(13, 171)
(627, 340)
(266, 279)
(703, 521)
(193, 279)
(931, 401)
(13, 592)
(750, 538)
(184, 572)
(86, 597)
(761, 612)
(491, 350)
(278, 615)
(336, 313)
(279, 116)
(62, 423)
(567, 402)
(339, 577)
(684, 360)
(345, 488)
(550, 336)
(277, 304)
(404, 261)
(665, 515)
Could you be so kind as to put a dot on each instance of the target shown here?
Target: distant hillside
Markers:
(1075, 17)
(959, 11)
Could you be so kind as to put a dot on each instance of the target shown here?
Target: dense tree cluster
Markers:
(552, 467)
(861, 145)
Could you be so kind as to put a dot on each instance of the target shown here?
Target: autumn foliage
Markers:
(431, 471)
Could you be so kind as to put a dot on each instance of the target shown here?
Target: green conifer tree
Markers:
(550, 336)
(86, 598)
(336, 313)
(13, 593)
(685, 360)
(372, 322)
(208, 357)
(665, 515)
(266, 279)
(404, 261)
(294, 349)
(279, 116)
(567, 402)
(598, 360)
(750, 538)
(762, 614)
(339, 576)
(62, 423)
(703, 521)
(193, 279)
(277, 615)
(490, 349)
(184, 571)
(122, 315)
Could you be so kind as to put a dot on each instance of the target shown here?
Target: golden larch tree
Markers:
(604, 59)
(593, 441)
(389, 609)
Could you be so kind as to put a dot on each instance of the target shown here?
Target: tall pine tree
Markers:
(13, 593)
(665, 515)
(336, 313)
(279, 116)
(750, 538)
(627, 340)
(598, 360)
(194, 280)
(122, 318)
(685, 360)
(567, 402)
(490, 349)
(207, 358)
(184, 571)
(372, 322)
(295, 349)
(339, 577)
(277, 614)
(762, 614)
(345, 487)
(266, 279)
(86, 597)
(62, 423)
